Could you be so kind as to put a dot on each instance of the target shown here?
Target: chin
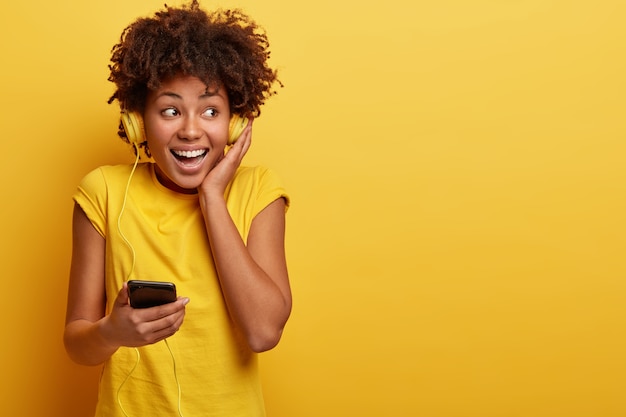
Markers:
(185, 187)
(183, 184)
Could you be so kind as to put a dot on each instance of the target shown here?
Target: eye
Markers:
(210, 112)
(170, 112)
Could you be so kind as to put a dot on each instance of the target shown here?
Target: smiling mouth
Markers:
(190, 158)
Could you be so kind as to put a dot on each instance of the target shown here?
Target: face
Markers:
(187, 129)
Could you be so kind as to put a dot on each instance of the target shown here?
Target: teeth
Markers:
(190, 154)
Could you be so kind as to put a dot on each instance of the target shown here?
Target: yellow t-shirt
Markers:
(216, 371)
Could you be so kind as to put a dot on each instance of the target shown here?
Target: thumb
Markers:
(122, 296)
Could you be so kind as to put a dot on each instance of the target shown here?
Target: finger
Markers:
(122, 296)
(247, 143)
(240, 148)
(247, 132)
(151, 331)
(167, 326)
(154, 314)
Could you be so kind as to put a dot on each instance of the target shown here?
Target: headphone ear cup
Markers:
(237, 125)
(133, 126)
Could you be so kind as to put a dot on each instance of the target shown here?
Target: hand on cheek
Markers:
(222, 173)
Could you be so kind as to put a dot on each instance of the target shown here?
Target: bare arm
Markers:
(90, 337)
(253, 278)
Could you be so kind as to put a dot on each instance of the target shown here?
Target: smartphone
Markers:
(144, 294)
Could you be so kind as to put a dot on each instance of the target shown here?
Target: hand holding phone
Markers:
(144, 294)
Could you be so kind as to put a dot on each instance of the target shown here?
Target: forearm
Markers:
(255, 302)
(85, 342)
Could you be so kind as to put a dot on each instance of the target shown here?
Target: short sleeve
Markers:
(270, 189)
(251, 191)
(91, 196)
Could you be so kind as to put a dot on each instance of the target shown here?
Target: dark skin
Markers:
(226, 49)
(223, 47)
(253, 275)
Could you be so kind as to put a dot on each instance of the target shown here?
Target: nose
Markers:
(190, 128)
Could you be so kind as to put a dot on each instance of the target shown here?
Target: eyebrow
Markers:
(169, 94)
(207, 94)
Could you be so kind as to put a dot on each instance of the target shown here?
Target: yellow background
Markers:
(456, 241)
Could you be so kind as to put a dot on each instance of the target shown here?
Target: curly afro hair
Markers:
(224, 47)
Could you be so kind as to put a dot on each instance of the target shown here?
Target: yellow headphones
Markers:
(133, 126)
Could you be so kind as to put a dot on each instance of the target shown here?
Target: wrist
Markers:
(106, 334)
(211, 198)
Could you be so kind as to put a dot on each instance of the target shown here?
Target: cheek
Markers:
(153, 131)
(158, 137)
(218, 135)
